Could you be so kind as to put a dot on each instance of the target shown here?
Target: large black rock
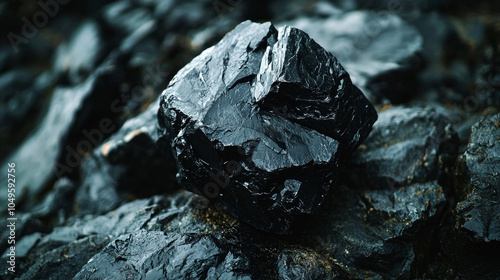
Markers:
(259, 123)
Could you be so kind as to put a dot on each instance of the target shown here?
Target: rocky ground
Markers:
(96, 195)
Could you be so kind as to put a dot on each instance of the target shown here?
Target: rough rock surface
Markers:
(156, 255)
(471, 239)
(480, 208)
(406, 146)
(71, 245)
(269, 163)
(176, 237)
(116, 169)
(374, 233)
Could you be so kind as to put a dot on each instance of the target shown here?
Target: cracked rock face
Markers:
(481, 161)
(260, 124)
(371, 233)
(471, 240)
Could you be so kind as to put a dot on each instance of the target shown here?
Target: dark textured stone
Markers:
(72, 244)
(264, 161)
(471, 238)
(407, 145)
(379, 233)
(190, 238)
(479, 208)
(128, 164)
(383, 220)
(56, 206)
(157, 255)
(62, 262)
(182, 236)
(270, 257)
(305, 263)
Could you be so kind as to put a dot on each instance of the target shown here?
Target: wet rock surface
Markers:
(417, 199)
(272, 126)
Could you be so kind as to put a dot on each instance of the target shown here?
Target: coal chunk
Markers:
(406, 146)
(62, 262)
(480, 208)
(62, 252)
(379, 233)
(266, 162)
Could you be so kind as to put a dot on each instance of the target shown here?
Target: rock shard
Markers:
(260, 123)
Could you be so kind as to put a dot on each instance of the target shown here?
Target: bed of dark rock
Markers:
(250, 139)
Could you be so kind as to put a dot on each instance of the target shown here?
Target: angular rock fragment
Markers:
(260, 123)
(379, 233)
(128, 164)
(472, 238)
(157, 255)
(71, 245)
(406, 146)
